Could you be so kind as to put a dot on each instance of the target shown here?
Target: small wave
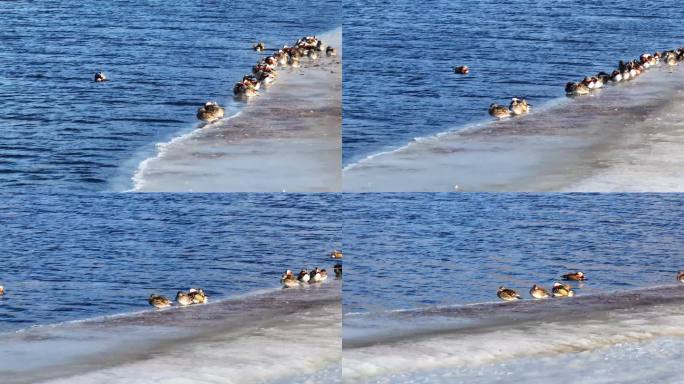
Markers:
(464, 129)
(136, 313)
(139, 175)
(528, 329)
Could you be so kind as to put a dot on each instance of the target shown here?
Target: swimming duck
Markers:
(197, 296)
(158, 301)
(2, 290)
(304, 276)
(463, 70)
(518, 106)
(330, 51)
(324, 274)
(335, 254)
(100, 77)
(183, 298)
(507, 294)
(576, 89)
(338, 270)
(562, 290)
(288, 280)
(210, 112)
(259, 47)
(575, 276)
(538, 292)
(499, 111)
(680, 278)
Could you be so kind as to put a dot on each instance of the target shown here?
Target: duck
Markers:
(197, 296)
(301, 51)
(250, 81)
(2, 290)
(463, 70)
(304, 276)
(657, 56)
(538, 292)
(562, 290)
(670, 58)
(519, 106)
(616, 76)
(338, 270)
(309, 42)
(575, 276)
(499, 111)
(324, 274)
(293, 61)
(330, 51)
(271, 62)
(243, 89)
(267, 78)
(183, 298)
(576, 89)
(261, 68)
(210, 112)
(313, 55)
(507, 294)
(590, 82)
(316, 276)
(526, 106)
(159, 301)
(633, 73)
(259, 47)
(335, 254)
(288, 280)
(601, 79)
(680, 278)
(100, 77)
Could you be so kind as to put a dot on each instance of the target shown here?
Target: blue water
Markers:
(164, 59)
(77, 256)
(399, 57)
(408, 251)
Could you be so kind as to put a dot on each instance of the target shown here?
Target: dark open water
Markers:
(76, 256)
(398, 66)
(164, 59)
(423, 250)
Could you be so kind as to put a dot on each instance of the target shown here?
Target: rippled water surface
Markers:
(422, 250)
(399, 80)
(70, 257)
(163, 60)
